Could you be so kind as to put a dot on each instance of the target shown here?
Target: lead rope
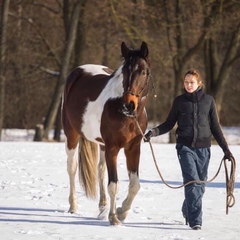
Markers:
(230, 180)
(230, 199)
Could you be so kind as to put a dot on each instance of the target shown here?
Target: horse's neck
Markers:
(114, 87)
(116, 82)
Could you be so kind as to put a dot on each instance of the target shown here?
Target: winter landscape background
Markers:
(34, 195)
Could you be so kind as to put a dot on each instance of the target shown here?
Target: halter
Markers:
(133, 93)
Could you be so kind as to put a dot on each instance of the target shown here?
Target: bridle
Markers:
(133, 93)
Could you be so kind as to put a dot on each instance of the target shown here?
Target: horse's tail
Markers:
(87, 162)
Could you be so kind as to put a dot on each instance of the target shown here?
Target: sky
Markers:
(34, 192)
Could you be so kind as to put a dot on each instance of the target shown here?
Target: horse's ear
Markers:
(124, 50)
(144, 49)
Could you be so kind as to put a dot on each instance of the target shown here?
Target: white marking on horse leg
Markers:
(72, 168)
(133, 189)
(112, 190)
(101, 178)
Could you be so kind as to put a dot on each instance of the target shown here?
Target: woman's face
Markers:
(190, 83)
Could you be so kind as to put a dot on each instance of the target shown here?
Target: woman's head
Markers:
(192, 80)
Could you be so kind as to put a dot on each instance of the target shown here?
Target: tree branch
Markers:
(49, 71)
(44, 39)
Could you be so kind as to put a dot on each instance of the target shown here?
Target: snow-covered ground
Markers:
(34, 195)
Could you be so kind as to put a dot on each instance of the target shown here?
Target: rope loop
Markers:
(230, 180)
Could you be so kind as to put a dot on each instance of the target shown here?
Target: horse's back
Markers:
(86, 74)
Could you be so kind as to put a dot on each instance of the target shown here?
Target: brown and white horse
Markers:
(99, 113)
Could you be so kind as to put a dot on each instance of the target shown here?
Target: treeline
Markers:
(41, 41)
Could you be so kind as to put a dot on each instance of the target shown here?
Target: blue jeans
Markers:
(194, 164)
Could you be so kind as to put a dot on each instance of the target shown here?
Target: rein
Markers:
(230, 179)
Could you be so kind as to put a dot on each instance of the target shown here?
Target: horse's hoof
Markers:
(113, 219)
(121, 215)
(72, 210)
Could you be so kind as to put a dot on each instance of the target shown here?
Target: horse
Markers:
(100, 108)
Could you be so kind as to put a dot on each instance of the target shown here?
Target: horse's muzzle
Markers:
(130, 103)
(129, 109)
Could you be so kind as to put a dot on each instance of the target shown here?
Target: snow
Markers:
(34, 195)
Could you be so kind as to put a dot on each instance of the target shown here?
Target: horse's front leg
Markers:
(111, 160)
(72, 168)
(133, 189)
(101, 178)
(132, 155)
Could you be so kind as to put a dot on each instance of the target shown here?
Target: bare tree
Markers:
(69, 46)
(185, 39)
(80, 42)
(3, 47)
(220, 56)
(182, 53)
(203, 34)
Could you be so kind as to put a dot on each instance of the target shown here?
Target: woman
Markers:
(197, 119)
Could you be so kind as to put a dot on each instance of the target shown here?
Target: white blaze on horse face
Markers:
(93, 112)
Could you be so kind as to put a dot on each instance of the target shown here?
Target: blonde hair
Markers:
(195, 73)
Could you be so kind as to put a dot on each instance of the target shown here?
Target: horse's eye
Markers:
(143, 73)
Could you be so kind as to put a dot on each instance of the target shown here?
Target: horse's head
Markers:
(136, 74)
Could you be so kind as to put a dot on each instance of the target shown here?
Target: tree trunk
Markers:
(69, 46)
(58, 126)
(3, 47)
(80, 41)
(217, 73)
(38, 133)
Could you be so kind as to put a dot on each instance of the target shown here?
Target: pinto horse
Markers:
(99, 113)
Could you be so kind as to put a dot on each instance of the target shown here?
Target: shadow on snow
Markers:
(32, 215)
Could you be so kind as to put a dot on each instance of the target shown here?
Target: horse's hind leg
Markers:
(72, 168)
(101, 177)
(132, 156)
